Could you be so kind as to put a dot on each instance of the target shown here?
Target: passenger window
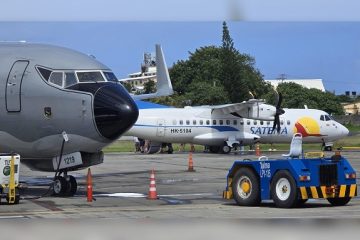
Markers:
(214, 122)
(268, 123)
(56, 78)
(255, 122)
(288, 122)
(221, 122)
(201, 122)
(248, 122)
(174, 122)
(235, 122)
(261, 122)
(187, 122)
(207, 122)
(194, 122)
(227, 122)
(70, 79)
(181, 122)
(241, 122)
(281, 122)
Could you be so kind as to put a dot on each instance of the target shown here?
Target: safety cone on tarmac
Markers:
(152, 188)
(191, 163)
(89, 186)
(257, 149)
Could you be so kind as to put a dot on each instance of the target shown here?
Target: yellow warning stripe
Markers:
(352, 190)
(335, 192)
(314, 192)
(342, 191)
(303, 193)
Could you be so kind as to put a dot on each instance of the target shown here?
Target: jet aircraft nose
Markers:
(115, 111)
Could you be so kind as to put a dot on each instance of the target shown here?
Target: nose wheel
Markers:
(64, 186)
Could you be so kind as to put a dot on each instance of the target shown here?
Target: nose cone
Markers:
(343, 131)
(115, 111)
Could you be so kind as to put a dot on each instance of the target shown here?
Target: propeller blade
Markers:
(278, 112)
(278, 126)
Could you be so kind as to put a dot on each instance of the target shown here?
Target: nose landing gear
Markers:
(64, 186)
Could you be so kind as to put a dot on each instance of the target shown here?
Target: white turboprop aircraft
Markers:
(223, 127)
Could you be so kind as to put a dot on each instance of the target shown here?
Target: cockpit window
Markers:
(56, 78)
(110, 76)
(45, 73)
(66, 78)
(95, 76)
(326, 118)
(70, 79)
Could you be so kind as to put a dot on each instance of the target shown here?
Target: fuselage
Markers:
(45, 90)
(199, 125)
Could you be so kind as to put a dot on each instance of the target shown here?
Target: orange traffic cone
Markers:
(191, 163)
(257, 150)
(152, 189)
(89, 186)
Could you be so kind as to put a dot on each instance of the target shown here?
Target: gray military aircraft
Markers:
(59, 103)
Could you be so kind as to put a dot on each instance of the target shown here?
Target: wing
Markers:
(253, 108)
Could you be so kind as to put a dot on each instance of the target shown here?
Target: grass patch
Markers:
(128, 146)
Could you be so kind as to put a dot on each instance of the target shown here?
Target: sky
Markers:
(301, 39)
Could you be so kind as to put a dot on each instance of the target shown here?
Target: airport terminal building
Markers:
(308, 83)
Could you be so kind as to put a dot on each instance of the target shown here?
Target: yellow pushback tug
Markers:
(9, 177)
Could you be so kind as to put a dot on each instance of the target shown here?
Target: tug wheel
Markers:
(246, 187)
(339, 201)
(283, 190)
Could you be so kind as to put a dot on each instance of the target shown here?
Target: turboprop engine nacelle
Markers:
(260, 111)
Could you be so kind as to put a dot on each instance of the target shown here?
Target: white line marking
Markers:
(140, 195)
(12, 217)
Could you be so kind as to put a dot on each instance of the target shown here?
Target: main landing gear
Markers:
(64, 185)
(220, 149)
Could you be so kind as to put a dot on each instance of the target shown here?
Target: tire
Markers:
(328, 148)
(71, 187)
(339, 201)
(246, 187)
(283, 190)
(214, 149)
(226, 149)
(59, 186)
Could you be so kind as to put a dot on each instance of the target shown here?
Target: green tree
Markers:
(223, 69)
(232, 68)
(296, 96)
(149, 87)
(127, 86)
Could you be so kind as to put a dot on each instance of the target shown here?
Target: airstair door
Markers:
(161, 128)
(13, 86)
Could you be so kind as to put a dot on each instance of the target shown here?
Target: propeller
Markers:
(278, 112)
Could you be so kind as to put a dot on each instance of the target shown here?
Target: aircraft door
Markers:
(13, 86)
(160, 132)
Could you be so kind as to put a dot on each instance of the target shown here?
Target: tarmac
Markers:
(121, 186)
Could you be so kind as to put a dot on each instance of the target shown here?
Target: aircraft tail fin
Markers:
(163, 85)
